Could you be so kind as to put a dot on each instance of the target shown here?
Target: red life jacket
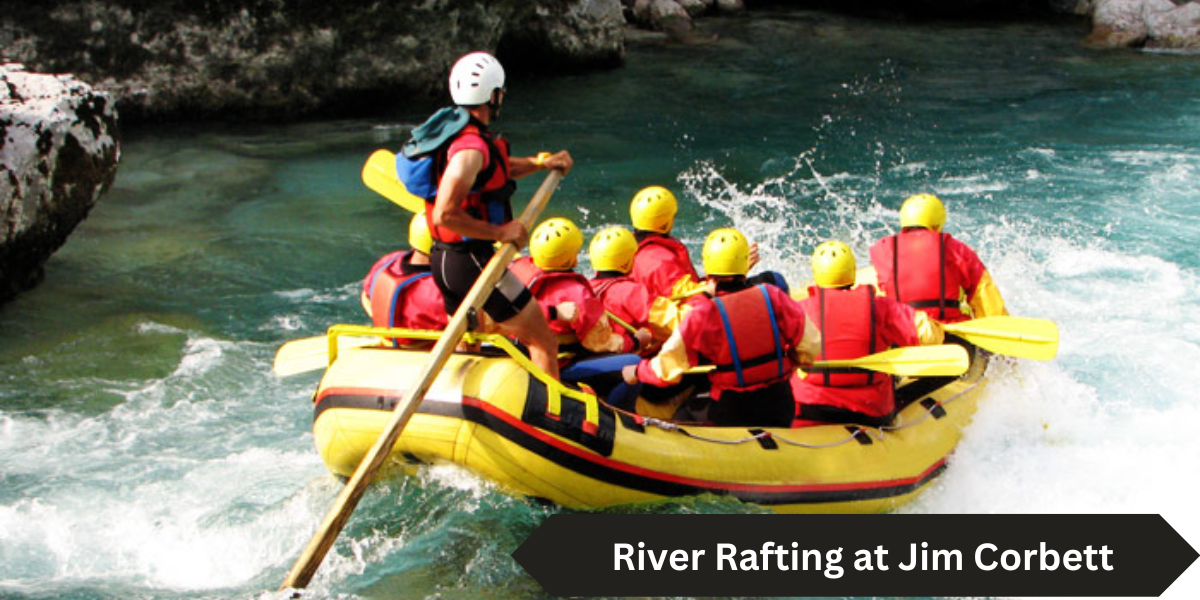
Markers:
(918, 276)
(385, 262)
(600, 286)
(846, 320)
(629, 301)
(536, 279)
(752, 333)
(490, 195)
(387, 287)
(660, 277)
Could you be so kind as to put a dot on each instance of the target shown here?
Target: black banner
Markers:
(855, 555)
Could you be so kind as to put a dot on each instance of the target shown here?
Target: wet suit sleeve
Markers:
(679, 353)
(669, 365)
(987, 301)
(982, 293)
(899, 324)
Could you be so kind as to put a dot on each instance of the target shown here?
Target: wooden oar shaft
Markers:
(335, 520)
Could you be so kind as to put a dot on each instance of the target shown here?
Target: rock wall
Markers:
(58, 153)
(182, 59)
(1160, 24)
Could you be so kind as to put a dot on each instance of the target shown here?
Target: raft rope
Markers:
(878, 434)
(928, 411)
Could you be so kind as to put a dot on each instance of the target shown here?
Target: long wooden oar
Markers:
(312, 353)
(314, 553)
(1011, 336)
(379, 174)
(949, 360)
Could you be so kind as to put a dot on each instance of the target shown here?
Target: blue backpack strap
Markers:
(396, 295)
(737, 361)
(774, 328)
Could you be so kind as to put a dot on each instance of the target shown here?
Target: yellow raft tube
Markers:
(499, 416)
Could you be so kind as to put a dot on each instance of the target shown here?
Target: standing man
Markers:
(930, 270)
(473, 209)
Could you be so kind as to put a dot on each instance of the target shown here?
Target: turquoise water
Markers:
(147, 451)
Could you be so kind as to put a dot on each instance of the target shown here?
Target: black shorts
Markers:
(457, 266)
(770, 406)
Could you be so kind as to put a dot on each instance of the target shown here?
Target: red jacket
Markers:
(551, 288)
(660, 262)
(402, 294)
(846, 320)
(926, 270)
(626, 298)
(763, 351)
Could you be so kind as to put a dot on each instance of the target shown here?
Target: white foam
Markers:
(219, 523)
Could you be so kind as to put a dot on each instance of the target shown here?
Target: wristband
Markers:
(540, 159)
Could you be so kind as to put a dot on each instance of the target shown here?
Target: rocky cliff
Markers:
(281, 59)
(58, 154)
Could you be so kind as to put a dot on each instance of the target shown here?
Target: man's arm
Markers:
(519, 167)
(456, 183)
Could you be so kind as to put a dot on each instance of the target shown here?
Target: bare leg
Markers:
(531, 328)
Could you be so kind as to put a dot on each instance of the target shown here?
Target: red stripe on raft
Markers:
(700, 483)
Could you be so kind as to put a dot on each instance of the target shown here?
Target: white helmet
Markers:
(474, 78)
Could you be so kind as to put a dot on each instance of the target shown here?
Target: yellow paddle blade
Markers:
(949, 360)
(1011, 336)
(379, 174)
(312, 353)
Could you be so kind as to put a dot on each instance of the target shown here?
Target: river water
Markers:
(147, 451)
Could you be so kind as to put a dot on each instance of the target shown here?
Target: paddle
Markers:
(949, 360)
(1011, 336)
(306, 565)
(615, 319)
(379, 174)
(312, 353)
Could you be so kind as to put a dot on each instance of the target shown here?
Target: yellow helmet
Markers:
(612, 249)
(418, 234)
(653, 209)
(833, 265)
(555, 244)
(923, 210)
(726, 252)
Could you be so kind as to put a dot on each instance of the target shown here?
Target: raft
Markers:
(494, 413)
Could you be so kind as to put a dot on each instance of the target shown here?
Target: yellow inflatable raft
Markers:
(491, 413)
